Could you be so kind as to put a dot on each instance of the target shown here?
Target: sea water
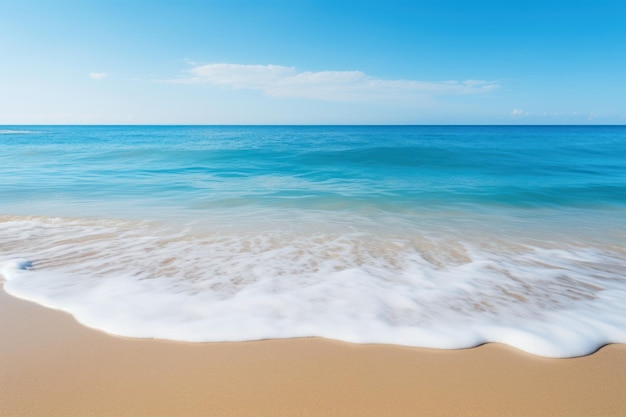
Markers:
(433, 236)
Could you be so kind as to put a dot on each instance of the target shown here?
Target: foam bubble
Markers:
(450, 289)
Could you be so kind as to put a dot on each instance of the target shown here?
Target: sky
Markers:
(312, 62)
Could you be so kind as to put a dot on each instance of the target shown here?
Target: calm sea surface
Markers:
(438, 236)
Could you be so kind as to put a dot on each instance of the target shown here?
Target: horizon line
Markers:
(309, 125)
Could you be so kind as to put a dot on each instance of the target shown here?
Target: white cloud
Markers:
(281, 81)
(98, 75)
(563, 117)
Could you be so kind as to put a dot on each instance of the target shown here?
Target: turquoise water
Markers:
(196, 168)
(441, 236)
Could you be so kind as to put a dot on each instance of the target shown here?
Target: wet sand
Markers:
(52, 366)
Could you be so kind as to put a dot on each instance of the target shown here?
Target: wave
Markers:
(439, 288)
(17, 132)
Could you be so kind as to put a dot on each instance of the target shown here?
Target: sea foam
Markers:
(448, 289)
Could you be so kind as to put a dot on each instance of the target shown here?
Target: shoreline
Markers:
(50, 365)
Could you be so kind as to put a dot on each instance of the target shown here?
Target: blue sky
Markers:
(313, 62)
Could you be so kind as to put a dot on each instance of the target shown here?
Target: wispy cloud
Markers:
(574, 117)
(282, 81)
(98, 75)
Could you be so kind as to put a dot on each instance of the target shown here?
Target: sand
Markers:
(52, 366)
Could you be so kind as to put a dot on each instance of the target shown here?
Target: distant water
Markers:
(443, 237)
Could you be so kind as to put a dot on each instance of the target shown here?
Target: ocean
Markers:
(431, 236)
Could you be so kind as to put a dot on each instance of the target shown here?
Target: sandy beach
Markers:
(52, 366)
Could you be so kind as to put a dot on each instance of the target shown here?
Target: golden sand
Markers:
(52, 366)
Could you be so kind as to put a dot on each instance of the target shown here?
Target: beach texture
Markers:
(51, 366)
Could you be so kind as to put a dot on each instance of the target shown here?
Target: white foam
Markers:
(445, 290)
(16, 132)
(10, 267)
